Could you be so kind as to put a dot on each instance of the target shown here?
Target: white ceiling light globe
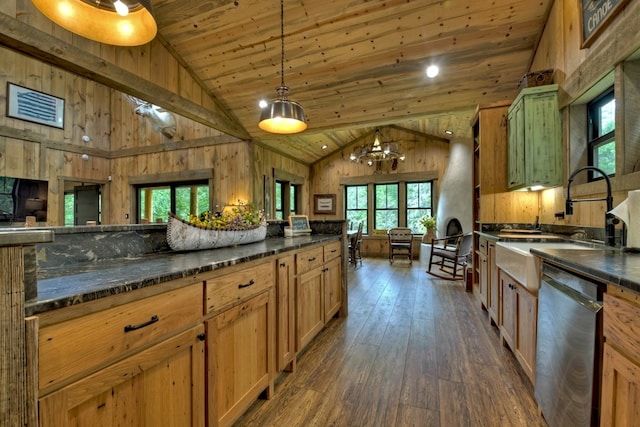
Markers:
(432, 71)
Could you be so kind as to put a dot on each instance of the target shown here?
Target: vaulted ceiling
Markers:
(355, 65)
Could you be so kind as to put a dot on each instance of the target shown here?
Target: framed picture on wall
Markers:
(595, 16)
(33, 106)
(324, 204)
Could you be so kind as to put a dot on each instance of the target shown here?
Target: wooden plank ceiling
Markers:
(356, 65)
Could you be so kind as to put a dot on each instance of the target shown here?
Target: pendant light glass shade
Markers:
(99, 21)
(282, 115)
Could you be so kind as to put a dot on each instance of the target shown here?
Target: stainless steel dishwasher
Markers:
(569, 348)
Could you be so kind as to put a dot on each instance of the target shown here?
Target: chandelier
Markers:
(376, 152)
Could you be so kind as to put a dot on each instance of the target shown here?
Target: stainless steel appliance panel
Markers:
(566, 353)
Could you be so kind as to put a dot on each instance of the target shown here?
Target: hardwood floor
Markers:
(414, 351)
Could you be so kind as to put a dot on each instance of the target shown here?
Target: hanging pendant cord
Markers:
(282, 41)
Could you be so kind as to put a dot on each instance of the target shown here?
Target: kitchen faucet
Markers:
(609, 219)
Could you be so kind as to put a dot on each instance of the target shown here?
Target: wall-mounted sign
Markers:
(324, 204)
(33, 106)
(596, 14)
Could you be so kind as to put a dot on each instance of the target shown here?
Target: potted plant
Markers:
(429, 223)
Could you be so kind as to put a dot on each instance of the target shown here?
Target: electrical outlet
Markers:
(559, 215)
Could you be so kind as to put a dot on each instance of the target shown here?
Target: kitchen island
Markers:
(185, 338)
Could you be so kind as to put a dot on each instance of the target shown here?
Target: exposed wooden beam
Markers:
(29, 40)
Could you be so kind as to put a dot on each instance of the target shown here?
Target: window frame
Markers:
(402, 181)
(429, 209)
(386, 209)
(594, 139)
(365, 227)
(172, 186)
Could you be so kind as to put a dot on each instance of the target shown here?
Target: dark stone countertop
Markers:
(607, 265)
(80, 283)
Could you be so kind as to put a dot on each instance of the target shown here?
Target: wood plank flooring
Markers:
(414, 351)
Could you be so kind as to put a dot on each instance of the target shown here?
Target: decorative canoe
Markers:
(185, 236)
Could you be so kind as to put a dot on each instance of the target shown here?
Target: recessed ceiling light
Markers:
(432, 71)
(325, 146)
(448, 132)
(262, 103)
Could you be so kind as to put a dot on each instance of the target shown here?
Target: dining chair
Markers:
(355, 242)
(400, 243)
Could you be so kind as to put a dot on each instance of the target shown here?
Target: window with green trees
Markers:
(356, 212)
(183, 199)
(601, 133)
(419, 204)
(386, 206)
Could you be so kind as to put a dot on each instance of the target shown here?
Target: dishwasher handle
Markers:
(576, 296)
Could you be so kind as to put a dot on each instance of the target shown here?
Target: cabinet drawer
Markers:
(332, 250)
(309, 259)
(234, 287)
(80, 345)
(621, 323)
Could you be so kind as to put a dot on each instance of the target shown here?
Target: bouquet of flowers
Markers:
(240, 217)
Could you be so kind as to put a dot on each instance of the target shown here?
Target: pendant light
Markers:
(281, 115)
(114, 22)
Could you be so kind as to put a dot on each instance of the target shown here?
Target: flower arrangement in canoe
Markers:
(243, 216)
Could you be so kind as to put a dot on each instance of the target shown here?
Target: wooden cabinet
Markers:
(162, 385)
(123, 360)
(318, 290)
(286, 320)
(620, 397)
(489, 175)
(518, 321)
(241, 339)
(483, 268)
(493, 284)
(535, 139)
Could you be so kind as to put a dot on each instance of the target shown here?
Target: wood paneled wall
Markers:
(423, 154)
(577, 70)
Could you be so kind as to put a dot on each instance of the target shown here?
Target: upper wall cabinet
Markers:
(535, 139)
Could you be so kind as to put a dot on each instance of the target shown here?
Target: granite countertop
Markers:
(608, 265)
(80, 284)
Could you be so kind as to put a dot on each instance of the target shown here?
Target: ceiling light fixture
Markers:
(432, 71)
(281, 115)
(376, 152)
(119, 23)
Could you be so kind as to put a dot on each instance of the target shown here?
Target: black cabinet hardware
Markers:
(153, 320)
(246, 285)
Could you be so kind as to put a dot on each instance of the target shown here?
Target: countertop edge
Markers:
(75, 289)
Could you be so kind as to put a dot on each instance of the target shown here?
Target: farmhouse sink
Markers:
(514, 258)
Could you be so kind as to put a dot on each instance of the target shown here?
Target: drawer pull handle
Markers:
(312, 259)
(246, 285)
(151, 321)
(282, 264)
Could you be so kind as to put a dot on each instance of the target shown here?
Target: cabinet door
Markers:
(516, 164)
(543, 139)
(484, 289)
(332, 288)
(309, 307)
(527, 331)
(493, 284)
(509, 306)
(286, 321)
(162, 385)
(620, 389)
(238, 347)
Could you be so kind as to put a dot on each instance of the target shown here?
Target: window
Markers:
(601, 133)
(286, 199)
(356, 206)
(386, 206)
(419, 204)
(397, 204)
(183, 199)
(279, 202)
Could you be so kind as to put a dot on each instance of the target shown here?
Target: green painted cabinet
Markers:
(535, 139)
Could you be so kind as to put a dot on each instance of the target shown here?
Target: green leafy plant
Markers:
(428, 222)
(240, 217)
